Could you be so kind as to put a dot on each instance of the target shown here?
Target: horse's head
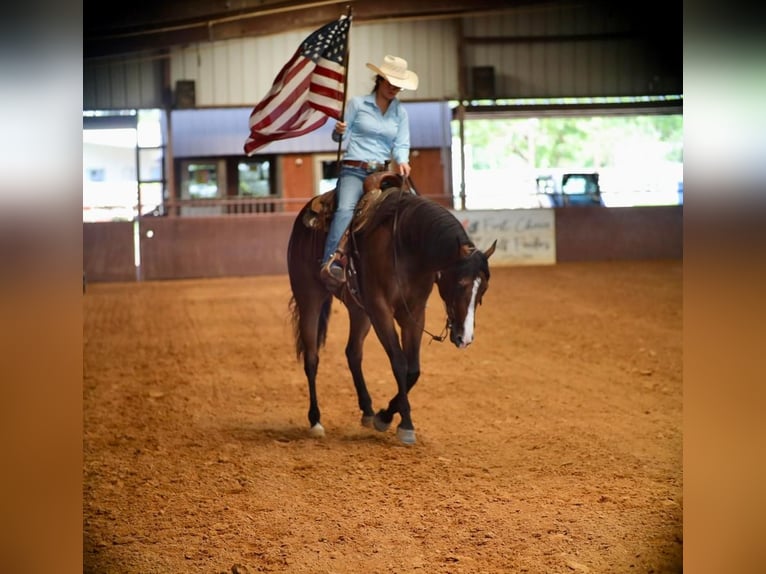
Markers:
(462, 287)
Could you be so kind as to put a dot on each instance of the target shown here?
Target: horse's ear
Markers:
(491, 249)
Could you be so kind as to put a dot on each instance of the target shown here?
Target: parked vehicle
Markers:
(575, 189)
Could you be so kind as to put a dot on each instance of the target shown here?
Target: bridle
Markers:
(408, 188)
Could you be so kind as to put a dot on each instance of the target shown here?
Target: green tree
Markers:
(569, 142)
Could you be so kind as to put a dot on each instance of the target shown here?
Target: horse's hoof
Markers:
(368, 421)
(407, 436)
(317, 431)
(379, 424)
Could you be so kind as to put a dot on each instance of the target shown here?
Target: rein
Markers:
(440, 338)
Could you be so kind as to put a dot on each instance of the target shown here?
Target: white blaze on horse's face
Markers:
(462, 289)
(470, 316)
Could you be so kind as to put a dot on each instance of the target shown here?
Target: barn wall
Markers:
(210, 132)
(134, 82)
(538, 52)
(297, 178)
(573, 50)
(598, 234)
(186, 247)
(431, 174)
(257, 245)
(240, 72)
(108, 251)
(565, 49)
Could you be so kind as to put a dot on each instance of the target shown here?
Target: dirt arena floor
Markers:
(553, 444)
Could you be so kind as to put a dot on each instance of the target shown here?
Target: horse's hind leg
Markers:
(310, 367)
(309, 327)
(358, 330)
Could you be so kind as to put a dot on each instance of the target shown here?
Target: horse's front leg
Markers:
(358, 330)
(412, 330)
(411, 339)
(405, 361)
(412, 335)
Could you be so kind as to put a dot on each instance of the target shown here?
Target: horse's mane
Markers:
(421, 223)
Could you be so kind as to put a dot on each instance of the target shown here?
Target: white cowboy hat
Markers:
(394, 69)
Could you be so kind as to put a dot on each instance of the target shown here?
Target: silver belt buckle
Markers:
(372, 166)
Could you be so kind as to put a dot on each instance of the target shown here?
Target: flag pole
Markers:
(346, 60)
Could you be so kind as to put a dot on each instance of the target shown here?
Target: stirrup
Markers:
(333, 273)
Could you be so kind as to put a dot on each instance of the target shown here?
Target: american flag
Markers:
(307, 90)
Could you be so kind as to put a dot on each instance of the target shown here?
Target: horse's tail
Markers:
(304, 248)
(324, 321)
(295, 314)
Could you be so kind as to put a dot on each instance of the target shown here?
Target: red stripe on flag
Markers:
(296, 120)
(255, 142)
(297, 68)
(287, 99)
(329, 73)
(333, 113)
(326, 91)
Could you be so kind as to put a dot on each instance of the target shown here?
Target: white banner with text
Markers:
(524, 236)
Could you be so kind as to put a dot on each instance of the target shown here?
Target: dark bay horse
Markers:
(407, 245)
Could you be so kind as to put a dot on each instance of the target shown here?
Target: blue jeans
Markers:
(349, 190)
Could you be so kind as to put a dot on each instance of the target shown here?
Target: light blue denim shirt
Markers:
(373, 136)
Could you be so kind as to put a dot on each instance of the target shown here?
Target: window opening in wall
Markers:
(326, 170)
(151, 198)
(149, 129)
(109, 191)
(201, 181)
(610, 160)
(329, 175)
(254, 179)
(123, 164)
(203, 186)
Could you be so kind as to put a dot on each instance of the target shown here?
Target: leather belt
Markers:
(369, 167)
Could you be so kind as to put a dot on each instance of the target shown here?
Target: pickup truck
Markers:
(574, 189)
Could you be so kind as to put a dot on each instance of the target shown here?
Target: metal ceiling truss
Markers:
(118, 29)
